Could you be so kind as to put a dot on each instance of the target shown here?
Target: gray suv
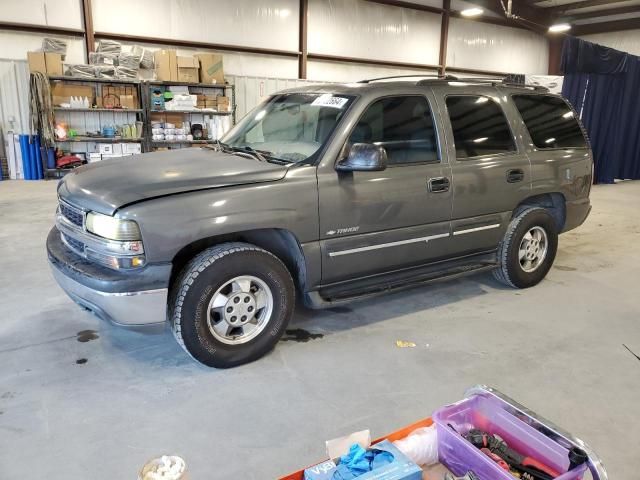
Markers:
(327, 193)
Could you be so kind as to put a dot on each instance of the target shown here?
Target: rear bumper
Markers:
(124, 298)
(577, 212)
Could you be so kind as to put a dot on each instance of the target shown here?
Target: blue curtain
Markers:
(603, 85)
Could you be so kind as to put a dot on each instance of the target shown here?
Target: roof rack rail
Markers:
(434, 75)
(493, 81)
(540, 88)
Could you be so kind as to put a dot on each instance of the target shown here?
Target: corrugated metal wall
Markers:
(14, 103)
(14, 96)
(250, 91)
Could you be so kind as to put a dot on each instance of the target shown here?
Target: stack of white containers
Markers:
(168, 132)
(217, 126)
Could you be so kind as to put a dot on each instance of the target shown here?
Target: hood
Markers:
(109, 185)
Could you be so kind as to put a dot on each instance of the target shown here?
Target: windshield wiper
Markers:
(247, 150)
(262, 155)
(252, 151)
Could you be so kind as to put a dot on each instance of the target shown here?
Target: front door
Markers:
(373, 222)
(491, 174)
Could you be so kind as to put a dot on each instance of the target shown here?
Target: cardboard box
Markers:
(62, 92)
(106, 148)
(37, 62)
(124, 96)
(166, 65)
(115, 155)
(47, 63)
(168, 117)
(131, 148)
(54, 63)
(211, 70)
(188, 68)
(400, 468)
(127, 102)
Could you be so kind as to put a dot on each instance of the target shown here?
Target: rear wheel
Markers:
(528, 249)
(231, 304)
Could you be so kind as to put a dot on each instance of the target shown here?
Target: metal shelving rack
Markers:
(143, 113)
(150, 144)
(97, 84)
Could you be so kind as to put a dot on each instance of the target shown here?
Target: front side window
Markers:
(479, 126)
(403, 126)
(550, 121)
(289, 127)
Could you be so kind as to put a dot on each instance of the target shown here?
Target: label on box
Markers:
(106, 148)
(322, 471)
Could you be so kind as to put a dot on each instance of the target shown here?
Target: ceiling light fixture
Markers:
(472, 12)
(559, 27)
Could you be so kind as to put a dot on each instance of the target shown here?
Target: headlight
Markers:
(112, 228)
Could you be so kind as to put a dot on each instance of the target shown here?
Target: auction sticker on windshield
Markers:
(328, 100)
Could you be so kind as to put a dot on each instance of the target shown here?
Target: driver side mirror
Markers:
(363, 157)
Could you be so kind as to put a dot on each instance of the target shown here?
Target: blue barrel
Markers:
(32, 159)
(38, 158)
(26, 154)
(51, 158)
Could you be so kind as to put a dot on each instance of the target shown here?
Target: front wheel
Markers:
(528, 249)
(231, 304)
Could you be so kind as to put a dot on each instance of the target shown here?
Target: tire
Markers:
(200, 318)
(527, 267)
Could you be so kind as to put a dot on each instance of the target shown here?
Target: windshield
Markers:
(289, 127)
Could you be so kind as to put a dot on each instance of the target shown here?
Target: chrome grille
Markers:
(72, 214)
(74, 244)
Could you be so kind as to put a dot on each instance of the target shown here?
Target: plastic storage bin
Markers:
(487, 413)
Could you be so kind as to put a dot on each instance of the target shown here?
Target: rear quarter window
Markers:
(479, 126)
(550, 121)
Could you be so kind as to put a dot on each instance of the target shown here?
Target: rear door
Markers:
(373, 222)
(490, 170)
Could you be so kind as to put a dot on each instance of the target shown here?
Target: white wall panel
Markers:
(254, 23)
(626, 41)
(250, 91)
(463, 5)
(15, 45)
(428, 3)
(350, 72)
(14, 96)
(53, 13)
(485, 46)
(357, 28)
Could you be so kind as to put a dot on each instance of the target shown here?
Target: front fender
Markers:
(170, 223)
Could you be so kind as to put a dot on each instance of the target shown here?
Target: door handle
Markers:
(515, 175)
(438, 184)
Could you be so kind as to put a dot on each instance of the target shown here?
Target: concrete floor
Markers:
(557, 348)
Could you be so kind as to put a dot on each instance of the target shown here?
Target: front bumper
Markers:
(124, 298)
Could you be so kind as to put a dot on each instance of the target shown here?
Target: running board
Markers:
(360, 289)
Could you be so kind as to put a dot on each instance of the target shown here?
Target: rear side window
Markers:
(403, 126)
(550, 121)
(479, 126)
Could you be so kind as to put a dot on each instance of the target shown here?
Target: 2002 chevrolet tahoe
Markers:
(328, 193)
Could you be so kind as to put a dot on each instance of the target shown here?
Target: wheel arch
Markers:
(554, 202)
(280, 242)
